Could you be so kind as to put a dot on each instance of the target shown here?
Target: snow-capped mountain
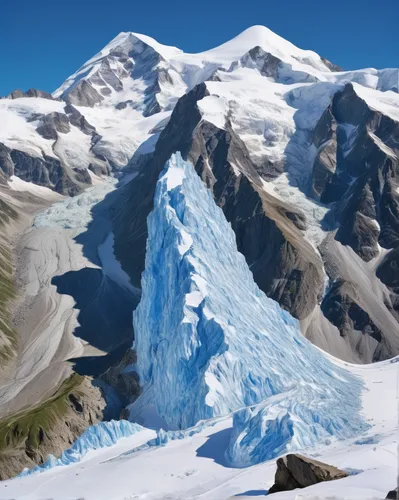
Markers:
(248, 197)
(260, 135)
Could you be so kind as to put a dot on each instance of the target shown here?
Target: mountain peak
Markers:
(261, 36)
(126, 39)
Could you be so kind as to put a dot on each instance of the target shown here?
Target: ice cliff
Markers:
(209, 342)
(95, 437)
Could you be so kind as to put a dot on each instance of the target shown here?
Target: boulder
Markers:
(393, 494)
(296, 471)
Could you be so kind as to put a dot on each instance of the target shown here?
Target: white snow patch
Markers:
(214, 110)
(111, 267)
(17, 184)
(386, 102)
(174, 175)
(185, 242)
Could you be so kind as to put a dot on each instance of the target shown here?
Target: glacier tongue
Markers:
(95, 437)
(209, 342)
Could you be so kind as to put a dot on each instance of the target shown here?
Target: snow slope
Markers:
(18, 130)
(195, 467)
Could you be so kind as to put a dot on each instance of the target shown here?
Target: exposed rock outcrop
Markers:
(296, 471)
(83, 94)
(325, 163)
(393, 494)
(16, 94)
(388, 270)
(271, 66)
(340, 308)
(53, 123)
(45, 171)
(132, 59)
(357, 167)
(331, 66)
(27, 438)
(125, 382)
(78, 120)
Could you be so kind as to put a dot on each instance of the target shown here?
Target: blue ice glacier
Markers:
(209, 342)
(97, 436)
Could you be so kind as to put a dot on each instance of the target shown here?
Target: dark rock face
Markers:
(122, 105)
(6, 163)
(357, 168)
(130, 224)
(125, 382)
(78, 120)
(152, 75)
(51, 171)
(271, 66)
(16, 94)
(44, 171)
(106, 75)
(134, 59)
(53, 123)
(341, 309)
(266, 63)
(296, 471)
(388, 271)
(325, 163)
(281, 265)
(83, 94)
(393, 494)
(331, 66)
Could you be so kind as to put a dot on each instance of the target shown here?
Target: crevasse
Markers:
(209, 342)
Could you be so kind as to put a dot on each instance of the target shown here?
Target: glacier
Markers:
(95, 437)
(210, 343)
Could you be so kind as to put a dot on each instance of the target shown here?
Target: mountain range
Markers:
(243, 204)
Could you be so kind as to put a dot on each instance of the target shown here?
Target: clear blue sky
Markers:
(44, 41)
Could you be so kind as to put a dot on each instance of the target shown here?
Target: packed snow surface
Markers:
(17, 184)
(209, 342)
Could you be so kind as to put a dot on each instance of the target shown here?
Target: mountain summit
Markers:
(131, 60)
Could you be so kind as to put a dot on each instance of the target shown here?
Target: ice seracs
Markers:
(97, 436)
(209, 342)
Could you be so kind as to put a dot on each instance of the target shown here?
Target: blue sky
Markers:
(42, 41)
